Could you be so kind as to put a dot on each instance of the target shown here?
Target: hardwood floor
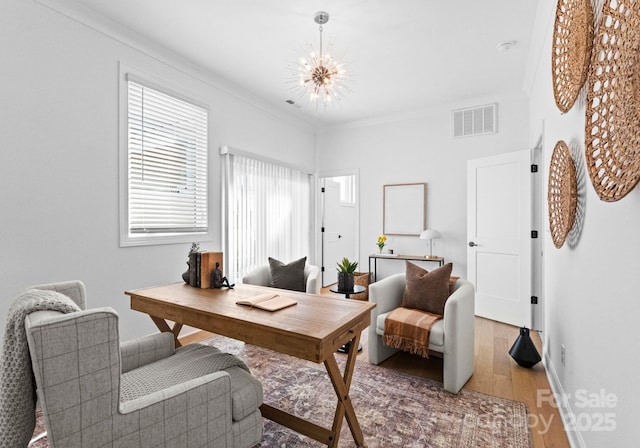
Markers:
(495, 374)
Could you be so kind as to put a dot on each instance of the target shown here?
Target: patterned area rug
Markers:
(394, 409)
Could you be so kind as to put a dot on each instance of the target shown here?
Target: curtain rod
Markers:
(226, 150)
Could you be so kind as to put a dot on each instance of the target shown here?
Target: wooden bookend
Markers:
(207, 265)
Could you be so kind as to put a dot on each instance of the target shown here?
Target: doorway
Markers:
(339, 228)
(499, 231)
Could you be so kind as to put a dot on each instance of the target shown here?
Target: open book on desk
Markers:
(269, 301)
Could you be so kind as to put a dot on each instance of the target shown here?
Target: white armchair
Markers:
(452, 336)
(261, 276)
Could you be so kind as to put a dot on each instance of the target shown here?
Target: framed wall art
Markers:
(404, 209)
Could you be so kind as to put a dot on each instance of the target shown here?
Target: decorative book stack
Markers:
(201, 265)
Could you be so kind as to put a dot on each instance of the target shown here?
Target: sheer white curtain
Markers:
(268, 214)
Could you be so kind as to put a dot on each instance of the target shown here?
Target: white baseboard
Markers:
(564, 407)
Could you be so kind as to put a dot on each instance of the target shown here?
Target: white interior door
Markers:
(499, 236)
(331, 237)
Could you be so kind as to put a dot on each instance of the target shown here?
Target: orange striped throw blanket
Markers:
(408, 330)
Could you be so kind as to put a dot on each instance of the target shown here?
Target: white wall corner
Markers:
(545, 18)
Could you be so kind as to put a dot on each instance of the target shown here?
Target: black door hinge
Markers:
(534, 300)
(322, 190)
(534, 168)
(322, 269)
(534, 234)
(322, 229)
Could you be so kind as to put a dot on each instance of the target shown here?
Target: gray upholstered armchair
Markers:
(452, 336)
(95, 392)
(261, 276)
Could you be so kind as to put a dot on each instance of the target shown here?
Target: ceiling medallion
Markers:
(320, 76)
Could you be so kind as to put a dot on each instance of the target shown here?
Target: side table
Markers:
(357, 289)
(376, 257)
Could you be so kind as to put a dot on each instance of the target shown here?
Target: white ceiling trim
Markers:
(103, 25)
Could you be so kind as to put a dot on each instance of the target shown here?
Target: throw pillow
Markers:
(288, 276)
(426, 291)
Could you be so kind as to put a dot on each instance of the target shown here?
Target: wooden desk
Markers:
(313, 330)
(376, 257)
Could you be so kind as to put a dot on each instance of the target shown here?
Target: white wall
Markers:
(59, 157)
(419, 148)
(592, 304)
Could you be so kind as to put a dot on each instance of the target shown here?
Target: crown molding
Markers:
(422, 112)
(86, 16)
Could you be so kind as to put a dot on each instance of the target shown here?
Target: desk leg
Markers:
(164, 327)
(341, 385)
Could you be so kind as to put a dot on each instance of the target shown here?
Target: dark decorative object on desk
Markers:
(186, 275)
(523, 351)
(346, 270)
(218, 280)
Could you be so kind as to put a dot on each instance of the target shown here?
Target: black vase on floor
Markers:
(345, 281)
(524, 351)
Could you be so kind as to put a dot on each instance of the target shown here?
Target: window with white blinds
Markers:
(167, 164)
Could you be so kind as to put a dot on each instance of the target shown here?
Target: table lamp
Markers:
(430, 235)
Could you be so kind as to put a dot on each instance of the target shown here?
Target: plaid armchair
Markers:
(95, 392)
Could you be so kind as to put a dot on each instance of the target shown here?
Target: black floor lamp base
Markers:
(523, 351)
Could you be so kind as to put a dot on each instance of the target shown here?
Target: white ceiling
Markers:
(402, 55)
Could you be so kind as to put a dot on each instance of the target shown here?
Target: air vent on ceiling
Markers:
(476, 120)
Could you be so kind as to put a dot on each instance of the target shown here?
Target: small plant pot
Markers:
(345, 281)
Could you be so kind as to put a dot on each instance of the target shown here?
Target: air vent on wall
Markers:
(476, 120)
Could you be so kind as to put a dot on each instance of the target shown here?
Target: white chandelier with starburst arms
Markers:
(320, 75)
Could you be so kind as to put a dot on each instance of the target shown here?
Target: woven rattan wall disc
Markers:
(571, 50)
(562, 193)
(612, 122)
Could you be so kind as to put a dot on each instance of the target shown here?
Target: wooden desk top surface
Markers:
(313, 329)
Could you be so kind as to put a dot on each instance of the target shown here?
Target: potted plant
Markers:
(382, 240)
(195, 248)
(346, 271)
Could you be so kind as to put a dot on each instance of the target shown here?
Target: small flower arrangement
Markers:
(195, 248)
(382, 240)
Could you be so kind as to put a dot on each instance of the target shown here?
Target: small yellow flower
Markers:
(382, 239)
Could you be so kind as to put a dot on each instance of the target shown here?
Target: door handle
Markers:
(472, 244)
(339, 236)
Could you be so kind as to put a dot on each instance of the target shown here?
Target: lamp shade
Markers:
(430, 234)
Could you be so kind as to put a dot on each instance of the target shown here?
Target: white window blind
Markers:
(167, 163)
(269, 214)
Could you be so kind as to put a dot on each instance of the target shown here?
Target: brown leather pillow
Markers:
(427, 291)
